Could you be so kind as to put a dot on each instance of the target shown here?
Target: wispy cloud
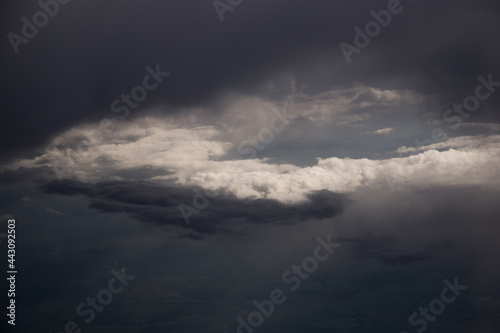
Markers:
(54, 211)
(384, 131)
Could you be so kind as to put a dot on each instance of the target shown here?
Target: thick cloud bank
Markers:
(163, 151)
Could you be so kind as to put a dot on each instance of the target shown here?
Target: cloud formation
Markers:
(384, 131)
(157, 203)
(193, 153)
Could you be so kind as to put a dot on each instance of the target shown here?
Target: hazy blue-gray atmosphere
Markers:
(250, 166)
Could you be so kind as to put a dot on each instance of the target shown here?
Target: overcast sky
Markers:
(231, 125)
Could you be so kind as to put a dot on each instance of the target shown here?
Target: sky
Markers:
(205, 147)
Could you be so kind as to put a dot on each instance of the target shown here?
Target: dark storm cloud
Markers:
(388, 250)
(91, 52)
(149, 202)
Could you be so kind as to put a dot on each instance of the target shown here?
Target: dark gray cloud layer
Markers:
(149, 202)
(91, 52)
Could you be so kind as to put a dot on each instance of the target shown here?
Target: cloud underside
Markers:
(157, 203)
